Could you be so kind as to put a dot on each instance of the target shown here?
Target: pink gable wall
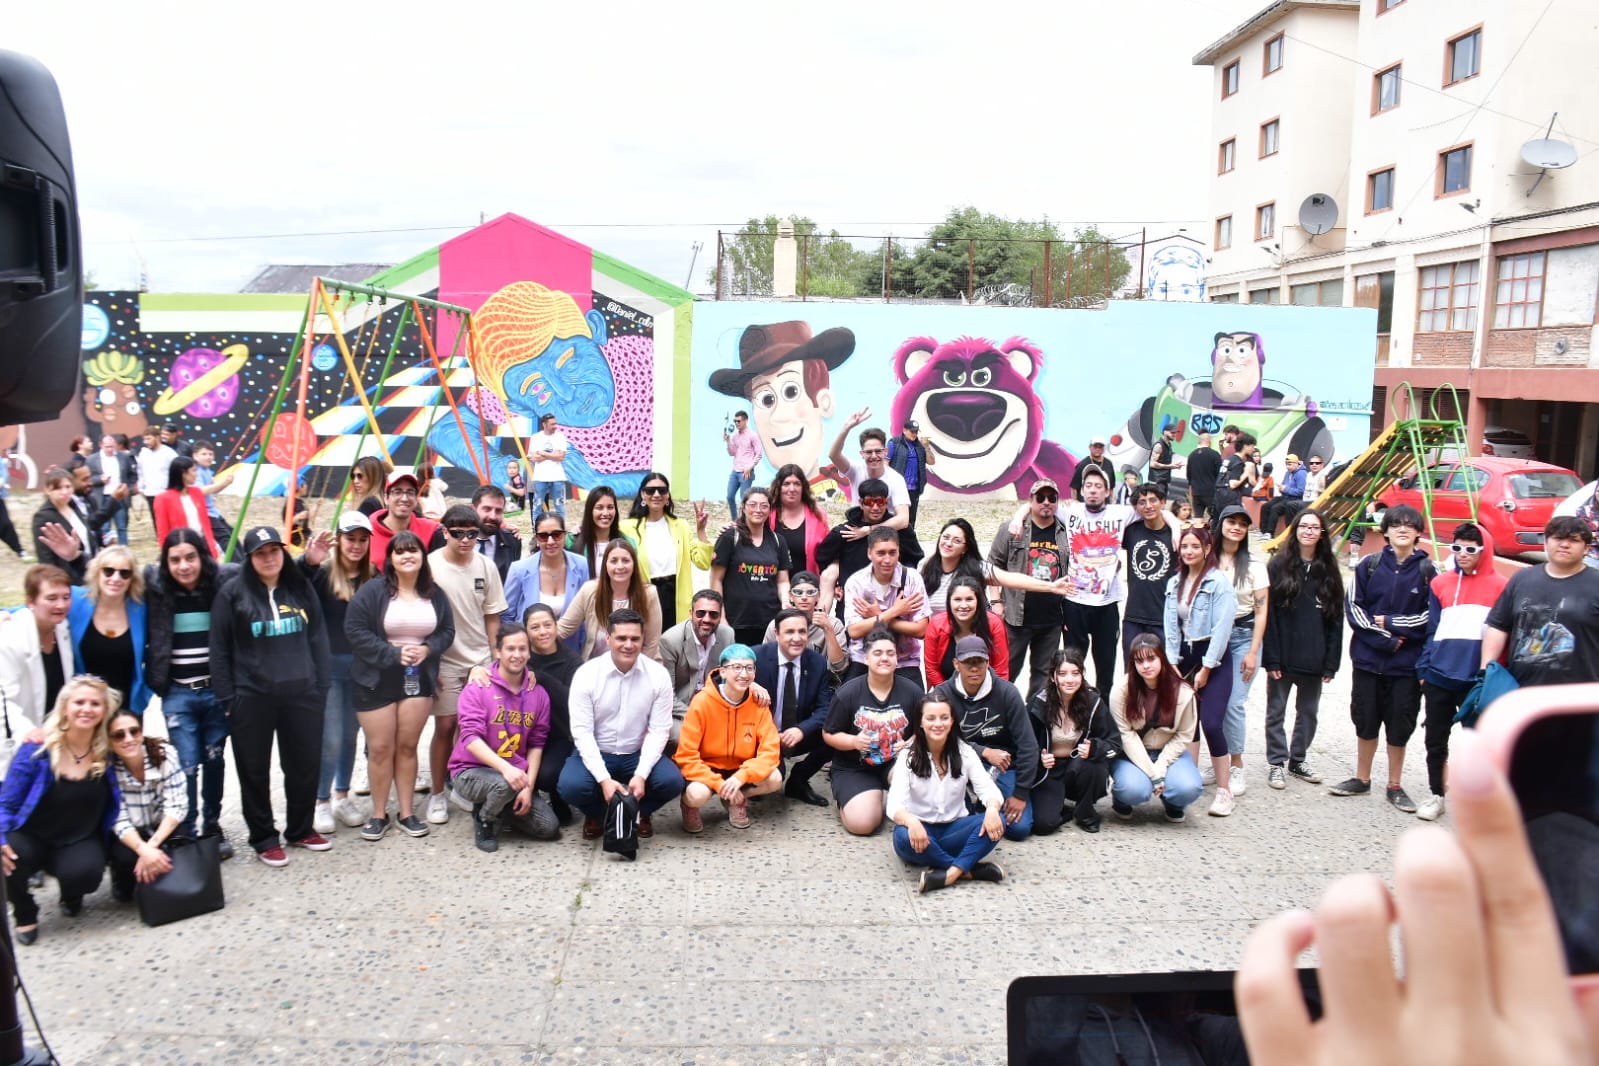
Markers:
(476, 265)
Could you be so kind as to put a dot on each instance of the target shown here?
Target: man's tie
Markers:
(790, 697)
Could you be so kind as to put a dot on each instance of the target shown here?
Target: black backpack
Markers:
(621, 825)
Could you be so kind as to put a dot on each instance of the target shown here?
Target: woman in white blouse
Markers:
(927, 801)
(155, 801)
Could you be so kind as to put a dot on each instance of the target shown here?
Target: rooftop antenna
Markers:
(1318, 214)
(694, 258)
(1547, 154)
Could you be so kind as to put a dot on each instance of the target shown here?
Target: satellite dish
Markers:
(1548, 154)
(1318, 214)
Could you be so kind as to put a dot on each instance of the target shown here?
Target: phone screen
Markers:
(1554, 771)
(1184, 1017)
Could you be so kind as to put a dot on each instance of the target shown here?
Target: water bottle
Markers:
(413, 680)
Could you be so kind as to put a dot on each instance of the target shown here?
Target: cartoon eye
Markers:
(982, 377)
(132, 407)
(765, 397)
(954, 380)
(791, 391)
(1226, 351)
(106, 398)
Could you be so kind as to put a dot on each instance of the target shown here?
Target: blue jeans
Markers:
(557, 494)
(199, 731)
(339, 728)
(1235, 727)
(737, 483)
(119, 519)
(1007, 787)
(1131, 786)
(579, 789)
(961, 843)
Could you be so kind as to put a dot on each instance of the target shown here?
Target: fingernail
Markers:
(1471, 771)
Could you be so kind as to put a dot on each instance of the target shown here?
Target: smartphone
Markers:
(1172, 1018)
(1546, 740)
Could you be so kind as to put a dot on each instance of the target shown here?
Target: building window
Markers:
(1518, 303)
(1385, 89)
(1387, 5)
(1380, 190)
(1447, 298)
(1224, 232)
(1274, 55)
(1226, 156)
(1269, 135)
(1265, 221)
(1318, 294)
(1265, 296)
(1229, 78)
(1224, 298)
(1463, 58)
(1454, 170)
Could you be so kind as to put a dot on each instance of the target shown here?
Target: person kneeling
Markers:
(866, 727)
(927, 801)
(1155, 711)
(492, 775)
(155, 802)
(729, 746)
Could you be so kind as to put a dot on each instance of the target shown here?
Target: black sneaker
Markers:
(486, 830)
(1304, 771)
(1401, 799)
(1353, 787)
(932, 881)
(1123, 810)
(73, 906)
(411, 825)
(1174, 814)
(991, 872)
(375, 828)
(224, 845)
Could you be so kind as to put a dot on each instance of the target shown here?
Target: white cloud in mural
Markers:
(193, 120)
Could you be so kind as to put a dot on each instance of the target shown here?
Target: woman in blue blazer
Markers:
(107, 619)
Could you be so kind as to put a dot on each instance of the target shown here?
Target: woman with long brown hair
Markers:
(619, 583)
(1078, 739)
(155, 802)
(366, 484)
(1155, 713)
(599, 526)
(1199, 620)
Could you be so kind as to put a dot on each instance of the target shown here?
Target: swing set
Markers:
(330, 302)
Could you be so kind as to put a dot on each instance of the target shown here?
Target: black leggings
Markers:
(8, 532)
(1441, 707)
(77, 867)
(1080, 780)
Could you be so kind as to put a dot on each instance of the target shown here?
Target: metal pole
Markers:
(805, 266)
(333, 285)
(719, 264)
(1049, 276)
(888, 269)
(971, 267)
(1143, 264)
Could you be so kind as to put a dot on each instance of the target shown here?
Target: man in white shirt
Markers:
(874, 458)
(621, 713)
(1094, 530)
(549, 469)
(153, 462)
(884, 593)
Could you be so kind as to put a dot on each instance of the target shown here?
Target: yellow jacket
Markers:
(691, 552)
(719, 739)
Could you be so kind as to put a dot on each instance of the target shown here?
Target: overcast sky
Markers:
(638, 128)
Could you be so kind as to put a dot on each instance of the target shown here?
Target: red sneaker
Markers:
(314, 842)
(273, 856)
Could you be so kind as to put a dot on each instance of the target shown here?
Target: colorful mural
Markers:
(1001, 412)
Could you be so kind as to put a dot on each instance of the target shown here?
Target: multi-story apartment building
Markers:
(1412, 116)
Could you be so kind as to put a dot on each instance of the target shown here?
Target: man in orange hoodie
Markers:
(729, 746)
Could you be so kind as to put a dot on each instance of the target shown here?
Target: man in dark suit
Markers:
(111, 469)
(801, 687)
(493, 539)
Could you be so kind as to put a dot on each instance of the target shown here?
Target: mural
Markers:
(1176, 272)
(1003, 412)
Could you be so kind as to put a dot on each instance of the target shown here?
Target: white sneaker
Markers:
(1238, 783)
(1431, 809)
(322, 821)
(1222, 805)
(438, 808)
(349, 812)
(1208, 776)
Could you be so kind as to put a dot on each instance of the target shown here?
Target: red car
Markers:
(1515, 498)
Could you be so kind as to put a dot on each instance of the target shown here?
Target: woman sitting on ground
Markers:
(1154, 710)
(965, 614)
(927, 801)
(155, 801)
(1082, 738)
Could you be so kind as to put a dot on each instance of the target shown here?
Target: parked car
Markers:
(1505, 443)
(1515, 497)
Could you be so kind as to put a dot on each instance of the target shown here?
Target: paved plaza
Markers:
(789, 943)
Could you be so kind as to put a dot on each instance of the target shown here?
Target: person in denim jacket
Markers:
(1200, 604)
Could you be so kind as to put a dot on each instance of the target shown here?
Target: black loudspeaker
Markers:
(41, 276)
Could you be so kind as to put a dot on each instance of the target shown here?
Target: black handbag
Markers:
(193, 885)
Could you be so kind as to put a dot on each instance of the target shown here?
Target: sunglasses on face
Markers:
(549, 535)
(116, 571)
(874, 501)
(1465, 549)
(804, 590)
(1046, 496)
(707, 614)
(657, 490)
(131, 733)
(463, 534)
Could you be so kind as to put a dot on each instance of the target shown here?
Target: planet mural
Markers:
(203, 382)
(292, 438)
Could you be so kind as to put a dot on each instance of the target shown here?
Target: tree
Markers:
(1088, 268)
(828, 264)
(971, 249)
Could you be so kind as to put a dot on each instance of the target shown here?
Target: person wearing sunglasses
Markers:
(108, 619)
(1040, 549)
(729, 747)
(155, 802)
(690, 651)
(668, 550)
(825, 634)
(1461, 596)
(551, 575)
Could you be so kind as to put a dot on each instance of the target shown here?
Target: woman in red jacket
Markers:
(966, 614)
(183, 504)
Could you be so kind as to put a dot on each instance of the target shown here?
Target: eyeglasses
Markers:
(656, 490)
(803, 590)
(741, 666)
(116, 571)
(707, 614)
(1307, 527)
(1465, 549)
(872, 453)
(463, 534)
(404, 494)
(1046, 496)
(131, 733)
(551, 534)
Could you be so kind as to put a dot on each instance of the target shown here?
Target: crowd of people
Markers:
(1125, 639)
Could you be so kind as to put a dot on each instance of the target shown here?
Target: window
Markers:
(1224, 298)
(1377, 290)
(1265, 221)
(1268, 138)
(1224, 232)
(1447, 298)
(1226, 156)
(1380, 190)
(1274, 55)
(1454, 170)
(1229, 78)
(1387, 5)
(1463, 58)
(1518, 301)
(1265, 296)
(1385, 89)
(1318, 294)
